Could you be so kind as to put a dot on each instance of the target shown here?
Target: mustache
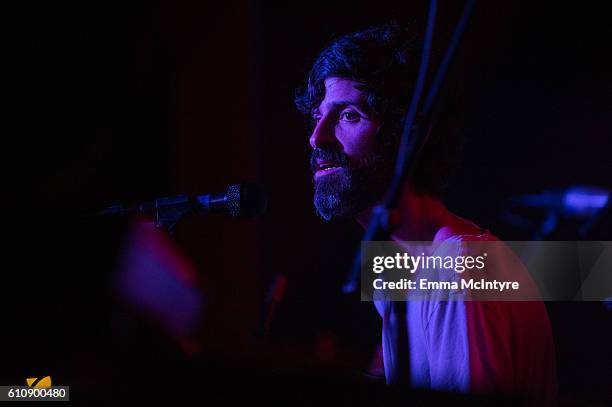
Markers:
(329, 155)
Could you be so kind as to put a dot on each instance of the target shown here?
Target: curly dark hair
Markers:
(386, 59)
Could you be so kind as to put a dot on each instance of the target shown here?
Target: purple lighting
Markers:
(584, 200)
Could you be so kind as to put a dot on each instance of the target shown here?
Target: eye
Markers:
(315, 118)
(350, 116)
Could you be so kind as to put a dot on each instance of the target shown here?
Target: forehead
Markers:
(342, 90)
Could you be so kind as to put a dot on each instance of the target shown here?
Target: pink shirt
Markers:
(475, 346)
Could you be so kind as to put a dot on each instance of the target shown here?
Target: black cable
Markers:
(408, 143)
(413, 137)
(379, 224)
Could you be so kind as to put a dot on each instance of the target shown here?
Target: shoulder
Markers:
(470, 232)
(459, 229)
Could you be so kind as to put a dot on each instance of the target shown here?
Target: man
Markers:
(357, 95)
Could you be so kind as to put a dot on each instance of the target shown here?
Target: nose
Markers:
(323, 135)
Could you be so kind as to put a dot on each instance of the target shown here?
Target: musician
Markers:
(356, 97)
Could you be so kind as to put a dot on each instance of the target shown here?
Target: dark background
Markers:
(127, 101)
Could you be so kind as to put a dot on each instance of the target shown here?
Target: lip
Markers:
(322, 164)
(322, 173)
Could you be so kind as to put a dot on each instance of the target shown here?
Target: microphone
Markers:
(245, 200)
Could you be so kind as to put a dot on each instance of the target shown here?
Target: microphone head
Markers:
(246, 200)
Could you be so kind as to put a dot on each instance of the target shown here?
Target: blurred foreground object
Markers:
(158, 283)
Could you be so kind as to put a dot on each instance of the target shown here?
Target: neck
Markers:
(421, 218)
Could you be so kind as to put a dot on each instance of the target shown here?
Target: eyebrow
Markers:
(344, 103)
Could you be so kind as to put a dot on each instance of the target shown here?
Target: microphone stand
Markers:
(167, 212)
(411, 143)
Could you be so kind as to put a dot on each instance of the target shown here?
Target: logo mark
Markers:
(39, 383)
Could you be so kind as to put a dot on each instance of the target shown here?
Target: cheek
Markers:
(358, 140)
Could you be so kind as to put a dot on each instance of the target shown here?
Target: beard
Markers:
(357, 185)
